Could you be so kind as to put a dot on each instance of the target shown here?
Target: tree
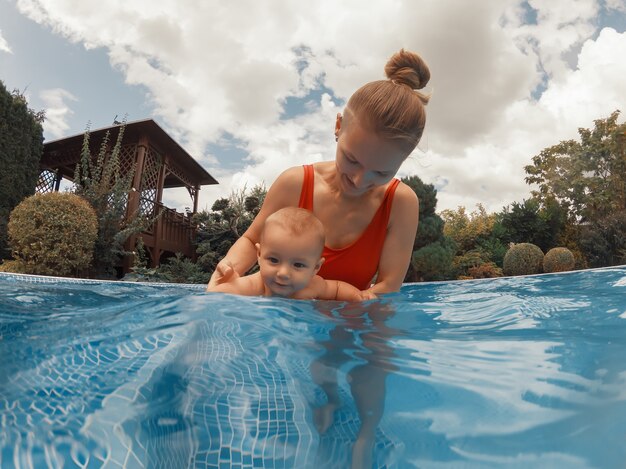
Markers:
(21, 147)
(529, 222)
(588, 177)
(432, 253)
(468, 230)
(604, 242)
(228, 219)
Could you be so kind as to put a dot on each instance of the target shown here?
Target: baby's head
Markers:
(290, 249)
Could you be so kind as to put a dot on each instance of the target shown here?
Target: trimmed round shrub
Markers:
(558, 260)
(523, 259)
(52, 234)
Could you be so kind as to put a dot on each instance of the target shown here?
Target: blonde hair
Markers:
(393, 108)
(297, 221)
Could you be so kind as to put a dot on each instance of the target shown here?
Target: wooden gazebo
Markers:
(159, 162)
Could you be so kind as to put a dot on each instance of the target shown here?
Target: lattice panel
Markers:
(46, 181)
(128, 156)
(147, 202)
(151, 167)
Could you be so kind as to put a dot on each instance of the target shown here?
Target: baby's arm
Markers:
(250, 285)
(322, 289)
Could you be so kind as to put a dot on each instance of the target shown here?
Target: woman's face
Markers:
(364, 160)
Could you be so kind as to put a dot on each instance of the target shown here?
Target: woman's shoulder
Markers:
(405, 200)
(290, 178)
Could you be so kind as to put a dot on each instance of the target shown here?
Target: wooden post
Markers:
(135, 193)
(158, 225)
(195, 199)
(57, 181)
(133, 196)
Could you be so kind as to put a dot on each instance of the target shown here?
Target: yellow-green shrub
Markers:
(52, 234)
(523, 259)
(559, 260)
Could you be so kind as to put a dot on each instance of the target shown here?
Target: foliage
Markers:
(13, 266)
(53, 234)
(177, 269)
(228, 219)
(468, 231)
(588, 177)
(21, 147)
(486, 270)
(558, 259)
(603, 242)
(570, 238)
(99, 180)
(464, 262)
(478, 237)
(433, 261)
(530, 222)
(523, 259)
(493, 247)
(429, 235)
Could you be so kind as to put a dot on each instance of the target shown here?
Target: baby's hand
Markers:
(367, 295)
(224, 273)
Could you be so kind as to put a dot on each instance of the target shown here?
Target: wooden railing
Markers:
(172, 231)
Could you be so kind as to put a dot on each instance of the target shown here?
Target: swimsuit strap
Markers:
(306, 194)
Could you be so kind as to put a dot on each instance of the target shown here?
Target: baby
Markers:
(289, 257)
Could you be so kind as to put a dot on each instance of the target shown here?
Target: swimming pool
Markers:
(511, 372)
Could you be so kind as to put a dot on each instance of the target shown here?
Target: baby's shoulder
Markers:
(315, 289)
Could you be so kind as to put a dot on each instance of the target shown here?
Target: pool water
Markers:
(511, 372)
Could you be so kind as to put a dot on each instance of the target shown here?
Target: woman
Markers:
(370, 218)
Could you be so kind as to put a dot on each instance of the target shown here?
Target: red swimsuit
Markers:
(356, 263)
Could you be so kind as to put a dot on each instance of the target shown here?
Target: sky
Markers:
(250, 88)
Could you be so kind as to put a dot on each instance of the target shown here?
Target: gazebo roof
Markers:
(158, 137)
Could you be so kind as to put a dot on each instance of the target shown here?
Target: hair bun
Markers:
(408, 68)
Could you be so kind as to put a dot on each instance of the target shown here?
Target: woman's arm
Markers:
(241, 256)
(398, 248)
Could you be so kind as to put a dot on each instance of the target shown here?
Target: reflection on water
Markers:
(524, 372)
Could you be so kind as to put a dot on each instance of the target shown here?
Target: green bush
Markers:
(558, 260)
(52, 234)
(523, 259)
(432, 262)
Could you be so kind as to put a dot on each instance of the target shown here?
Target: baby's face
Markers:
(287, 263)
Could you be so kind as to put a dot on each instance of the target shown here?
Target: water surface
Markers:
(512, 372)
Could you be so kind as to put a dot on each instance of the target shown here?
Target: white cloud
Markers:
(4, 45)
(212, 68)
(57, 111)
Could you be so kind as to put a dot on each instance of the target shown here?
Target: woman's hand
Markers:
(224, 273)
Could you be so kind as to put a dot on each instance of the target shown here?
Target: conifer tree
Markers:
(21, 147)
